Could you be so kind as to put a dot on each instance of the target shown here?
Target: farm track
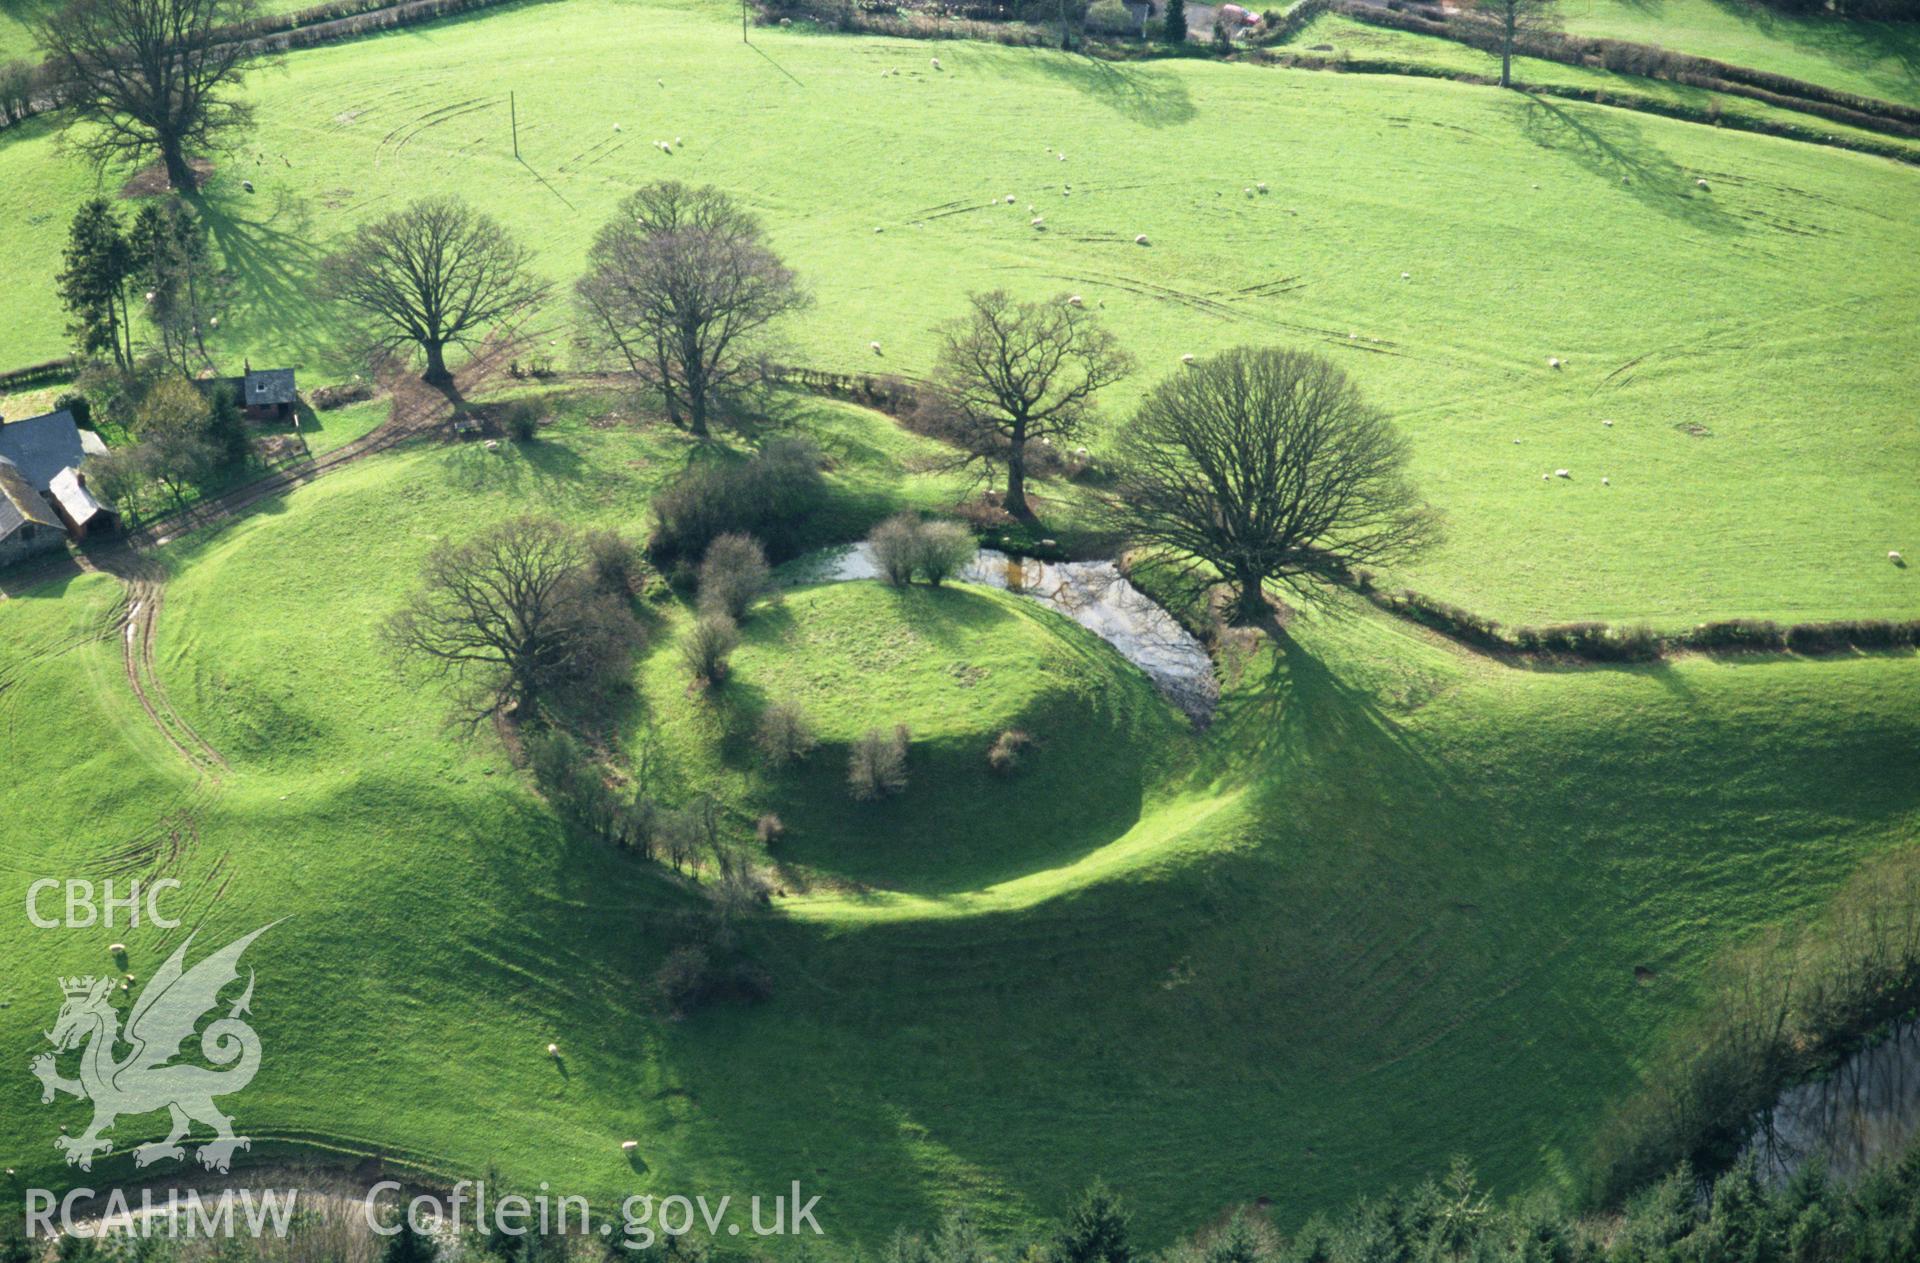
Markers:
(143, 616)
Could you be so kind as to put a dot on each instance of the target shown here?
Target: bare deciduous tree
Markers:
(513, 615)
(433, 274)
(150, 77)
(1514, 21)
(1267, 465)
(679, 284)
(1013, 373)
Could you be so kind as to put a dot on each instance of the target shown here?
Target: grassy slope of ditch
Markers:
(1388, 909)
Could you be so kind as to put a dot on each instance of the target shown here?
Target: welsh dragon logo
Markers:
(146, 1080)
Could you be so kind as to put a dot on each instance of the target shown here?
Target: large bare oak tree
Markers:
(1013, 373)
(1267, 465)
(679, 285)
(511, 616)
(432, 274)
(150, 78)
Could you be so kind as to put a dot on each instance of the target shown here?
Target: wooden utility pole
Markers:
(513, 112)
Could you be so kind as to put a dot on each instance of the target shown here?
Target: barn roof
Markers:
(266, 387)
(20, 503)
(74, 499)
(41, 447)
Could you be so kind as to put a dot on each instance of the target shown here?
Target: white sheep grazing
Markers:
(936, 63)
(1406, 276)
(120, 949)
(553, 1050)
(1039, 221)
(1262, 186)
(1606, 482)
(1140, 240)
(1062, 157)
(1009, 199)
(1700, 183)
(1247, 192)
(1608, 424)
(1563, 473)
(629, 1145)
(676, 142)
(879, 229)
(1516, 442)
(1546, 477)
(616, 127)
(1073, 300)
(875, 346)
(1186, 359)
(1553, 361)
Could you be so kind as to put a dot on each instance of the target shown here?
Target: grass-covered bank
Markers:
(1390, 908)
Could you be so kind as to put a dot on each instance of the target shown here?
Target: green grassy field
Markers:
(1879, 59)
(1386, 910)
(1749, 340)
(1389, 908)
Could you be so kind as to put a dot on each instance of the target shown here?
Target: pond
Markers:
(1866, 1110)
(1093, 594)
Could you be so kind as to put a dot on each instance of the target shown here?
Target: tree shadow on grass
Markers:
(270, 250)
(1613, 147)
(1153, 97)
(1861, 45)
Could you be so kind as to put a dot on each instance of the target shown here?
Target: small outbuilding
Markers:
(77, 507)
(268, 394)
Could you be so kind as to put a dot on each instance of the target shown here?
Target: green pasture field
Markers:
(1389, 908)
(1750, 340)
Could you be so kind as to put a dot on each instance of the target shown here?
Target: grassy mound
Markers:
(958, 666)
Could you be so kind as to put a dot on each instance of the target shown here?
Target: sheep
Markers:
(1406, 276)
(1516, 442)
(1009, 199)
(120, 949)
(1062, 157)
(676, 142)
(1247, 192)
(875, 346)
(935, 62)
(1039, 221)
(1563, 473)
(247, 185)
(616, 127)
(1140, 240)
(1073, 300)
(877, 228)
(1546, 477)
(1261, 187)
(1553, 361)
(1186, 359)
(1698, 183)
(1606, 482)
(553, 1050)
(629, 1146)
(1608, 424)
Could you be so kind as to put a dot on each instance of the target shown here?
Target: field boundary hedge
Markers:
(1606, 642)
(1650, 61)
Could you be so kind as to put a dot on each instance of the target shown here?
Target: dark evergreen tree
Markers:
(1096, 1231)
(1176, 22)
(409, 1246)
(93, 284)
